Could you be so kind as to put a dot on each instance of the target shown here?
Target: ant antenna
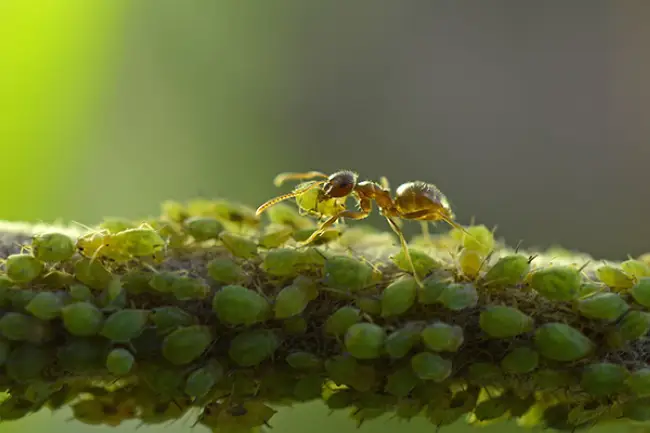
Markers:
(283, 197)
(283, 177)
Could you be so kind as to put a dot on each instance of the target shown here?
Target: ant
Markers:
(416, 201)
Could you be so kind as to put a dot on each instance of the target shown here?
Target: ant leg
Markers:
(425, 231)
(283, 177)
(345, 214)
(405, 247)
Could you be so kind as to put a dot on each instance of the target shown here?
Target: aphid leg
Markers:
(345, 214)
(405, 247)
(283, 197)
(283, 177)
(383, 181)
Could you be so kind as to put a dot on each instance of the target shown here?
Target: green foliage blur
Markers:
(109, 107)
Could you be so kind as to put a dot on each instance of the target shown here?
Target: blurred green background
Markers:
(529, 115)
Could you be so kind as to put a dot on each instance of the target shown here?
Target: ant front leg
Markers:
(345, 214)
(405, 247)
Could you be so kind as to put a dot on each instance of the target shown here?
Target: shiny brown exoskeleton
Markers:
(418, 201)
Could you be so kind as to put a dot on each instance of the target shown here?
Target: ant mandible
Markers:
(416, 201)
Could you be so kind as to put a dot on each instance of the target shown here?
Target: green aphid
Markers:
(340, 399)
(399, 296)
(603, 379)
(636, 268)
(186, 344)
(604, 306)
(639, 382)
(295, 325)
(23, 268)
(174, 211)
(442, 337)
(173, 236)
(202, 380)
(304, 361)
(338, 322)
(589, 288)
(116, 225)
(275, 237)
(492, 408)
(635, 324)
(422, 262)
(457, 296)
(484, 374)
(641, 292)
(508, 271)
(124, 325)
(166, 319)
(369, 305)
(5, 347)
(365, 340)
(347, 273)
(309, 388)
(521, 360)
(225, 270)
(614, 277)
(187, 288)
(561, 342)
(239, 246)
(20, 298)
(471, 262)
(120, 361)
(56, 280)
(432, 288)
(45, 305)
(283, 262)
(53, 247)
(480, 239)
(346, 370)
(40, 391)
(138, 242)
(82, 319)
(237, 305)
(286, 215)
(163, 380)
(136, 281)
(399, 343)
(429, 366)
(80, 355)
(26, 362)
(504, 322)
(251, 348)
(163, 281)
(92, 273)
(401, 382)
(21, 327)
(408, 408)
(114, 297)
(203, 228)
(637, 410)
(291, 301)
(558, 283)
(548, 379)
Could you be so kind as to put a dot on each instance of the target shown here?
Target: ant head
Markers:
(340, 184)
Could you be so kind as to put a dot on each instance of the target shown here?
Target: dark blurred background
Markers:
(529, 115)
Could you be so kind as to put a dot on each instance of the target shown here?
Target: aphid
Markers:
(52, 247)
(500, 321)
(122, 246)
(365, 340)
(443, 337)
(429, 366)
(186, 344)
(418, 201)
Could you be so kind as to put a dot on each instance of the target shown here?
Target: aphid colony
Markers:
(210, 311)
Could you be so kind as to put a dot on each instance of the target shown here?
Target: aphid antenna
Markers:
(83, 226)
